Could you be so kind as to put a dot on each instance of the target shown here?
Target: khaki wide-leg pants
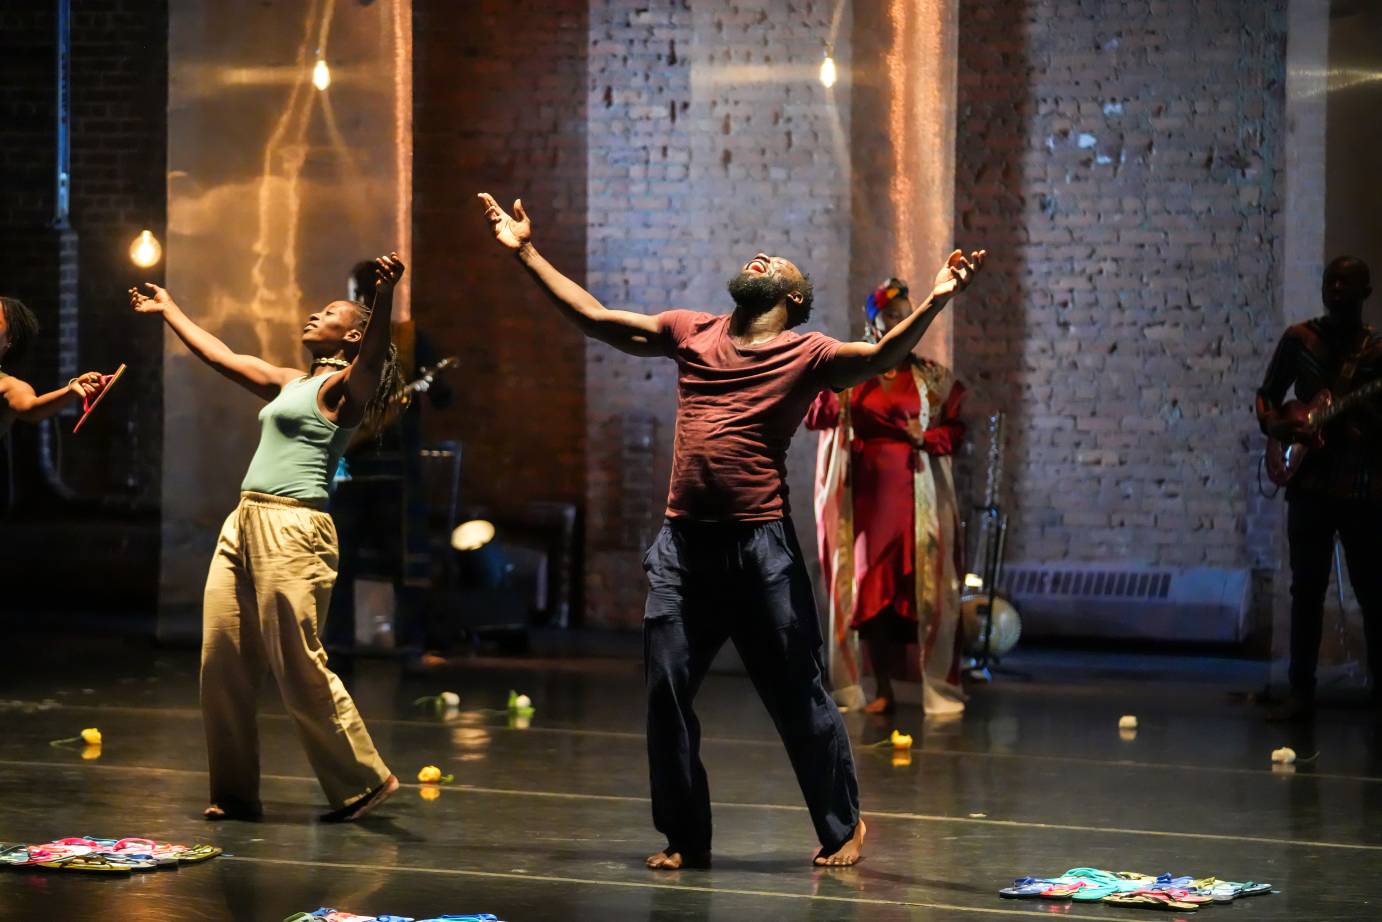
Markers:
(270, 581)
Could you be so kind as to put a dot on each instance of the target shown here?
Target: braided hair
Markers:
(390, 379)
(22, 326)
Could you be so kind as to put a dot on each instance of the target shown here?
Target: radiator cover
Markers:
(1131, 602)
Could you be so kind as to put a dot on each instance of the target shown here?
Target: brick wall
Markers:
(119, 187)
(709, 138)
(499, 106)
(118, 95)
(1122, 162)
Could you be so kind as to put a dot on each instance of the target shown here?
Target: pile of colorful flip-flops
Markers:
(118, 856)
(1134, 890)
(336, 915)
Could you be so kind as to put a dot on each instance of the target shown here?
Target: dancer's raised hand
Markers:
(957, 273)
(387, 271)
(157, 304)
(512, 231)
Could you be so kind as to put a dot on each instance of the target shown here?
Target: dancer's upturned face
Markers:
(765, 281)
(330, 329)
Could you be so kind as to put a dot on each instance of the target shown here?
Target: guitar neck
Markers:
(1348, 400)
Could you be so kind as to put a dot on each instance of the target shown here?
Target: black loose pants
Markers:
(1312, 521)
(712, 582)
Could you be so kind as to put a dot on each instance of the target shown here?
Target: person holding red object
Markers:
(888, 522)
(18, 399)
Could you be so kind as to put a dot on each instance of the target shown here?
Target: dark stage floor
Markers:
(551, 822)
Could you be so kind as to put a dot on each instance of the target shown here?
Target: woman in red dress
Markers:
(888, 521)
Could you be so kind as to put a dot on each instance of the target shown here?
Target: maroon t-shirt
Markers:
(737, 408)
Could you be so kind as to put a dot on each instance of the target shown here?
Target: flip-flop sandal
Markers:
(1149, 899)
(53, 852)
(91, 863)
(133, 862)
(478, 917)
(1064, 889)
(301, 917)
(198, 853)
(1026, 888)
(14, 854)
(1183, 895)
(1253, 888)
(1097, 884)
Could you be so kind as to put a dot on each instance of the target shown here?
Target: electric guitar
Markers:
(1284, 458)
(401, 401)
(424, 380)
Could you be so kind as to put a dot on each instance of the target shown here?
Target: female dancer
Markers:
(275, 561)
(889, 550)
(18, 327)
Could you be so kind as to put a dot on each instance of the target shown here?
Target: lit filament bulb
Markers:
(828, 71)
(321, 74)
(145, 250)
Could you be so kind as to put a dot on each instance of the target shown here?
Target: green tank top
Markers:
(299, 448)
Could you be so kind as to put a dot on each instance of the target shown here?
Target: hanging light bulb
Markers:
(145, 250)
(321, 74)
(828, 70)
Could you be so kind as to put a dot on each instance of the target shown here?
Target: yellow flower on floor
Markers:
(901, 740)
(430, 774)
(91, 736)
(429, 792)
(91, 752)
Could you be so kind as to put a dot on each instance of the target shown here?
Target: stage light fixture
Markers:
(145, 250)
(321, 74)
(472, 535)
(828, 70)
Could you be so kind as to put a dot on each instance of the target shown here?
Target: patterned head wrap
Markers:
(882, 296)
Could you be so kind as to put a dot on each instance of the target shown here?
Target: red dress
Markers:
(882, 468)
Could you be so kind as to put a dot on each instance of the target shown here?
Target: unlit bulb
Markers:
(145, 250)
(321, 74)
(828, 72)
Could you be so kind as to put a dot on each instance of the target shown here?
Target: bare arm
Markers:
(347, 394)
(32, 407)
(249, 371)
(856, 362)
(627, 331)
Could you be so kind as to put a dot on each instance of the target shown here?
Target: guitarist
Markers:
(1338, 490)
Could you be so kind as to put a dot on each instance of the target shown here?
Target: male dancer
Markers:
(726, 564)
(1338, 490)
(18, 400)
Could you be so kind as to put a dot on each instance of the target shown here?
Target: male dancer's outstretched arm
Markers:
(627, 331)
(857, 362)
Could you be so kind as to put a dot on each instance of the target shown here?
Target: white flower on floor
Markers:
(1284, 756)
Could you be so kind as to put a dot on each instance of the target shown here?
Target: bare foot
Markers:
(216, 813)
(879, 705)
(354, 811)
(846, 855)
(666, 860)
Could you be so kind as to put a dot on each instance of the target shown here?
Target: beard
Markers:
(756, 292)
